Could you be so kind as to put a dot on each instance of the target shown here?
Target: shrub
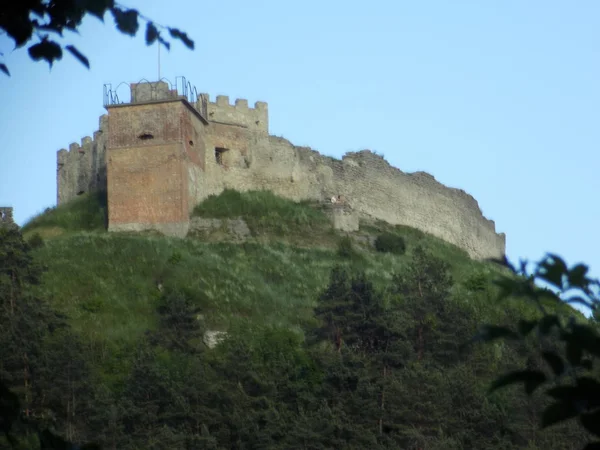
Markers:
(36, 240)
(477, 282)
(390, 243)
(263, 211)
(346, 249)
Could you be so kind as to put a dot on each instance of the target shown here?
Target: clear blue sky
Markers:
(499, 98)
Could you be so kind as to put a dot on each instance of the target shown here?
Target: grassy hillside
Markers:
(111, 287)
(108, 283)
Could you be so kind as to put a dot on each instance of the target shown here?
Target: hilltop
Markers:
(332, 339)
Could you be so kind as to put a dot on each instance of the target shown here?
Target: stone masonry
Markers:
(6, 217)
(160, 155)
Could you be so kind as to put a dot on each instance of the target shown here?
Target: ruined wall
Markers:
(255, 119)
(82, 168)
(371, 188)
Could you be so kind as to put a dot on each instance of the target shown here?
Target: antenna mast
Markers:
(158, 61)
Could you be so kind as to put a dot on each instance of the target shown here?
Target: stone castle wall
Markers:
(371, 187)
(167, 158)
(6, 217)
(82, 168)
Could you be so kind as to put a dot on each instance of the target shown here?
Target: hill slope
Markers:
(288, 295)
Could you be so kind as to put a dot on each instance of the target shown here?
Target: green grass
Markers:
(87, 212)
(264, 212)
(109, 284)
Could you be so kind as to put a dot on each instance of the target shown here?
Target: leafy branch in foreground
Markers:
(568, 375)
(22, 21)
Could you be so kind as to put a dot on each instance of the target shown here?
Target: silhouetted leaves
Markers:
(531, 379)
(555, 362)
(22, 21)
(580, 342)
(151, 33)
(77, 54)
(558, 412)
(46, 50)
(175, 33)
(591, 422)
(126, 20)
(491, 333)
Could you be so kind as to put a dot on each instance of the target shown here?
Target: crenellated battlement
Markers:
(82, 168)
(238, 114)
(169, 147)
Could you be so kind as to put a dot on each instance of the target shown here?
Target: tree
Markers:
(31, 378)
(40, 19)
(568, 346)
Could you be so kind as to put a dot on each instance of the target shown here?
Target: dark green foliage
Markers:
(42, 371)
(371, 358)
(36, 241)
(22, 21)
(179, 327)
(346, 250)
(567, 349)
(390, 243)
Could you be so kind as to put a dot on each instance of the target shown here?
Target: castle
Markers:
(167, 149)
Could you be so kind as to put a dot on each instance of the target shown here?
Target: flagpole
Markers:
(158, 43)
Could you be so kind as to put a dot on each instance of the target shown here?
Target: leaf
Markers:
(492, 332)
(591, 422)
(77, 54)
(558, 412)
(547, 322)
(552, 270)
(587, 338)
(47, 50)
(580, 300)
(163, 42)
(589, 389)
(555, 362)
(564, 393)
(577, 276)
(98, 7)
(20, 29)
(177, 34)
(4, 69)
(127, 21)
(574, 352)
(151, 33)
(531, 378)
(587, 363)
(525, 326)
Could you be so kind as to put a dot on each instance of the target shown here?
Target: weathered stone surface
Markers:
(235, 229)
(342, 216)
(6, 217)
(214, 338)
(159, 179)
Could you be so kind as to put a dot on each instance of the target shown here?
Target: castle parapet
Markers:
(82, 168)
(147, 92)
(238, 114)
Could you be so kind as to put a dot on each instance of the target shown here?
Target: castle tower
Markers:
(152, 141)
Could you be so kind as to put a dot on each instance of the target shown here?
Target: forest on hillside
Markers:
(374, 364)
